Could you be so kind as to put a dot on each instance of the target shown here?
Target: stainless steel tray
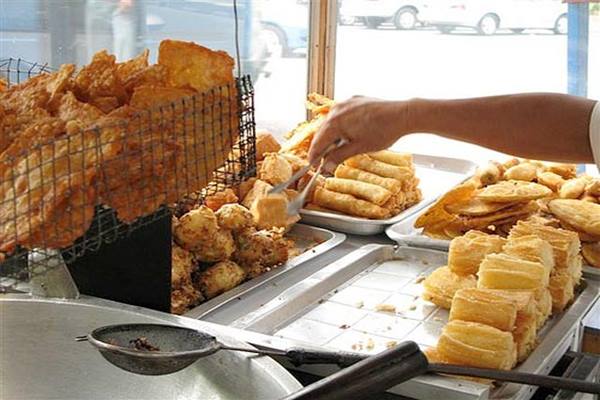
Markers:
(437, 175)
(405, 234)
(305, 237)
(39, 358)
(336, 308)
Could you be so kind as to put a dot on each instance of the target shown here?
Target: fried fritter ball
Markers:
(218, 247)
(195, 228)
(220, 278)
(234, 217)
(184, 297)
(266, 247)
(219, 199)
(182, 266)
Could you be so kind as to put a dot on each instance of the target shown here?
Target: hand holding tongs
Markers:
(295, 205)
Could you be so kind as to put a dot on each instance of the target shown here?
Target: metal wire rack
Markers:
(71, 188)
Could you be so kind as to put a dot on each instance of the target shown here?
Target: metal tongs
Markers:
(295, 205)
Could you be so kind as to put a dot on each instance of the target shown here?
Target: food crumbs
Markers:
(345, 326)
(425, 262)
(385, 308)
(420, 279)
(391, 343)
(412, 307)
(370, 344)
(321, 301)
(359, 304)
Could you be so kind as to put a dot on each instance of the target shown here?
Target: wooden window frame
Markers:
(321, 48)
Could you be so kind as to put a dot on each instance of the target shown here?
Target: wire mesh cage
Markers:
(70, 187)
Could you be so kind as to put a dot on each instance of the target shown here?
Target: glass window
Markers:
(399, 49)
(273, 39)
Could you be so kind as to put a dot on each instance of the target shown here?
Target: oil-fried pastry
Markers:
(265, 143)
(523, 172)
(562, 290)
(582, 215)
(466, 252)
(565, 244)
(234, 217)
(573, 188)
(220, 278)
(348, 204)
(566, 171)
(218, 247)
(346, 172)
(476, 207)
(531, 248)
(259, 189)
(441, 285)
(194, 226)
(275, 169)
(271, 212)
(591, 253)
(512, 191)
(489, 174)
(525, 329)
(551, 180)
(366, 163)
(502, 271)
(393, 158)
(362, 190)
(477, 345)
(484, 306)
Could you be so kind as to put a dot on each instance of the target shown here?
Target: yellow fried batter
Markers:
(234, 217)
(220, 278)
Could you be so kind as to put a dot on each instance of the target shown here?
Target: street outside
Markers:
(395, 64)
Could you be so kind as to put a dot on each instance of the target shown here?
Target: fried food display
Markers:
(476, 345)
(348, 204)
(517, 190)
(520, 282)
(216, 251)
(467, 252)
(584, 216)
(441, 285)
(591, 253)
(71, 140)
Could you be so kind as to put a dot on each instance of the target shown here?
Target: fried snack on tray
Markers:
(484, 306)
(220, 198)
(234, 217)
(531, 248)
(393, 158)
(477, 345)
(467, 252)
(366, 163)
(582, 215)
(348, 204)
(275, 169)
(513, 191)
(441, 285)
(362, 190)
(265, 247)
(346, 172)
(502, 271)
(194, 227)
(265, 143)
(219, 278)
(591, 254)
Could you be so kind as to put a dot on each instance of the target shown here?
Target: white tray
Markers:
(437, 175)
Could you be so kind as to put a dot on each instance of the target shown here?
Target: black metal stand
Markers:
(135, 269)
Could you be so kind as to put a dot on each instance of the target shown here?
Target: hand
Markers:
(367, 125)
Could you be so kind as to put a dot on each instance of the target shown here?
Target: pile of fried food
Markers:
(219, 245)
(376, 186)
(130, 135)
(500, 292)
(500, 195)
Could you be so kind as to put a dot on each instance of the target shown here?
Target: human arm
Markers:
(538, 125)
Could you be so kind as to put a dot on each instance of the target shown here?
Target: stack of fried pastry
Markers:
(71, 140)
(377, 185)
(520, 282)
(493, 209)
(565, 245)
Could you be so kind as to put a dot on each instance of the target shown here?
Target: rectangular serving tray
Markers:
(339, 308)
(437, 175)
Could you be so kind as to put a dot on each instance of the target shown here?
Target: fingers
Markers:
(324, 137)
(343, 153)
